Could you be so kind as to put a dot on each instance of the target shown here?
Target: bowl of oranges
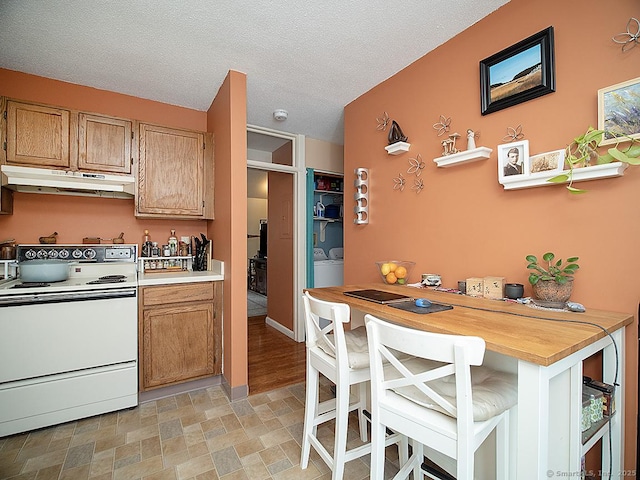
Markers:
(395, 272)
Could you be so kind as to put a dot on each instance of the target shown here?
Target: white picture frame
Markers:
(545, 163)
(511, 171)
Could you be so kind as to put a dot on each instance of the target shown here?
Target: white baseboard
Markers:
(271, 322)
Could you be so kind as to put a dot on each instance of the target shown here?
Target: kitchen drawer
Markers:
(190, 292)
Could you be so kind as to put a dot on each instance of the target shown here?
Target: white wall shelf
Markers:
(541, 179)
(468, 156)
(397, 148)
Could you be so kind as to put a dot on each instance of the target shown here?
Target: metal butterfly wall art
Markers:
(416, 165)
(399, 182)
(513, 134)
(383, 121)
(418, 185)
(443, 125)
(629, 38)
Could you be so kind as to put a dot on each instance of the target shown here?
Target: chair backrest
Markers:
(428, 382)
(327, 335)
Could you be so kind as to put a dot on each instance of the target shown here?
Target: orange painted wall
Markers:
(464, 223)
(227, 117)
(72, 217)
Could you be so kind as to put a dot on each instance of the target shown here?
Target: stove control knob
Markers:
(30, 254)
(77, 253)
(64, 254)
(42, 254)
(52, 254)
(89, 253)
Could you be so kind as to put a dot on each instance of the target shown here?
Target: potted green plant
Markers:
(584, 151)
(551, 279)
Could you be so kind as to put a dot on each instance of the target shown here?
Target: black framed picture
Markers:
(522, 72)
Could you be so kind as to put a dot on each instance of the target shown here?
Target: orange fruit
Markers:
(401, 272)
(392, 267)
(391, 278)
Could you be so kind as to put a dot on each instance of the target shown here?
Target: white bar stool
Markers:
(343, 358)
(436, 398)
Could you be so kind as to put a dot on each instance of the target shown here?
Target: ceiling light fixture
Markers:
(280, 115)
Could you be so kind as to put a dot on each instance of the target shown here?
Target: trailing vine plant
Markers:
(585, 150)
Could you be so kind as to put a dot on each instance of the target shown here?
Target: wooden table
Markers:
(546, 349)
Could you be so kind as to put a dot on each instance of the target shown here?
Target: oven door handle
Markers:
(62, 297)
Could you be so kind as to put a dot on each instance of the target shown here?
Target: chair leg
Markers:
(377, 449)
(310, 413)
(403, 450)
(465, 460)
(502, 448)
(418, 451)
(362, 419)
(342, 427)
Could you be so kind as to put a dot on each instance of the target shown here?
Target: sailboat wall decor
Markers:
(397, 140)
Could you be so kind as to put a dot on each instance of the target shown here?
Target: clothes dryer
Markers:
(328, 271)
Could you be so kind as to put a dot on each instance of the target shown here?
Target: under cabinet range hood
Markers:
(66, 182)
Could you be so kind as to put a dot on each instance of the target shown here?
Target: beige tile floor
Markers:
(199, 435)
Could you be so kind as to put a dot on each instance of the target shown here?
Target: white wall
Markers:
(325, 156)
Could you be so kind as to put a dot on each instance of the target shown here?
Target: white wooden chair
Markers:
(437, 398)
(343, 358)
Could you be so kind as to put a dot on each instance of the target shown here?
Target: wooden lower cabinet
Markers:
(179, 333)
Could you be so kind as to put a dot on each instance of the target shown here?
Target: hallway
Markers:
(275, 360)
(256, 304)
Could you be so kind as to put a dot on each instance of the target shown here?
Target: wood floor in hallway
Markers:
(275, 360)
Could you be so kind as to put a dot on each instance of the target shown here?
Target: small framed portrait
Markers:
(619, 112)
(548, 162)
(513, 161)
(519, 73)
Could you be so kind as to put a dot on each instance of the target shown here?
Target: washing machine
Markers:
(328, 271)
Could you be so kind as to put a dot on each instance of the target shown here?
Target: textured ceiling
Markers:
(309, 58)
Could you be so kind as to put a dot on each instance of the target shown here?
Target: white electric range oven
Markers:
(69, 349)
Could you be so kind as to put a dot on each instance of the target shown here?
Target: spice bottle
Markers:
(146, 245)
(173, 244)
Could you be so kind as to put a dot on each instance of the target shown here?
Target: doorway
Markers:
(279, 156)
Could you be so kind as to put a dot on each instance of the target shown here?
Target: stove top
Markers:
(31, 285)
(91, 267)
(108, 279)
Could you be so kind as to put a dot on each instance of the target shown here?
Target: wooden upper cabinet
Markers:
(175, 173)
(37, 135)
(52, 137)
(104, 143)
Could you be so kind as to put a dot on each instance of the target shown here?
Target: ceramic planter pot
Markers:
(551, 291)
